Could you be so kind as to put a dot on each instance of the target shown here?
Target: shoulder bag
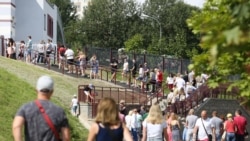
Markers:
(210, 137)
(47, 119)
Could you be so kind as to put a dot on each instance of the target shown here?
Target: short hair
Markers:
(29, 36)
(107, 112)
(238, 111)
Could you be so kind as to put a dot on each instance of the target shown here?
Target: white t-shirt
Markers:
(74, 102)
(202, 133)
(170, 80)
(128, 121)
(136, 120)
(40, 48)
(180, 83)
(125, 66)
(141, 72)
(154, 130)
(69, 53)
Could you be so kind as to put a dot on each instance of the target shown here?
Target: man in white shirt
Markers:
(125, 70)
(136, 122)
(179, 82)
(69, 53)
(204, 127)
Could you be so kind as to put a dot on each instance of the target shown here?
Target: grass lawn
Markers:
(17, 86)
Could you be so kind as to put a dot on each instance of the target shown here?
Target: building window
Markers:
(44, 18)
(49, 26)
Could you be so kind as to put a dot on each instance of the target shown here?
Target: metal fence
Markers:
(166, 64)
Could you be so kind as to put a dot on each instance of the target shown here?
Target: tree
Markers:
(224, 28)
(135, 43)
(177, 38)
(104, 21)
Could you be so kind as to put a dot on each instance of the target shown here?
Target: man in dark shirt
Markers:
(30, 116)
(133, 70)
(87, 90)
(114, 67)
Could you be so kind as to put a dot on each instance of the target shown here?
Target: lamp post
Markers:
(147, 16)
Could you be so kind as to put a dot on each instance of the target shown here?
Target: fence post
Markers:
(163, 64)
(2, 45)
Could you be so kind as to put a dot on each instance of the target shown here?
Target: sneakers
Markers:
(69, 72)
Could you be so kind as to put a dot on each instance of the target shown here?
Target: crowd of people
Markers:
(143, 124)
(27, 52)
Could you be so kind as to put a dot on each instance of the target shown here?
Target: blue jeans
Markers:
(230, 136)
(218, 137)
(134, 134)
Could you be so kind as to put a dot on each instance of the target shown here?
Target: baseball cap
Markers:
(45, 83)
(90, 86)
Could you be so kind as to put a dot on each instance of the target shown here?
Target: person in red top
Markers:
(241, 124)
(159, 79)
(230, 128)
(61, 51)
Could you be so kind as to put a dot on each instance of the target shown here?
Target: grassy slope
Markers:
(17, 86)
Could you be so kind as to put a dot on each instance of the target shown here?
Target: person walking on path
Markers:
(204, 127)
(32, 117)
(190, 124)
(241, 124)
(218, 125)
(107, 125)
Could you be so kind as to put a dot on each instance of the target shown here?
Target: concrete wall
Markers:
(7, 18)
(31, 19)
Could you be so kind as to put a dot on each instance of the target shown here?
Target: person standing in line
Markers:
(28, 50)
(69, 53)
(30, 116)
(190, 124)
(41, 50)
(74, 105)
(241, 124)
(94, 63)
(136, 122)
(218, 125)
(61, 56)
(125, 70)
(230, 128)
(21, 50)
(107, 125)
(205, 128)
(133, 72)
(49, 49)
(83, 63)
(154, 126)
(10, 49)
(170, 81)
(114, 67)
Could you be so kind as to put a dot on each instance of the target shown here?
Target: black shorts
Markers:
(48, 53)
(70, 61)
(113, 70)
(134, 74)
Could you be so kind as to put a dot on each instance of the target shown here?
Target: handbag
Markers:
(210, 137)
(47, 119)
(246, 133)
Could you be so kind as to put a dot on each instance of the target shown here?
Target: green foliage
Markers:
(111, 23)
(224, 26)
(135, 43)
(15, 92)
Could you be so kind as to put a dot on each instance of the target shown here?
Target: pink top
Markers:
(230, 126)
